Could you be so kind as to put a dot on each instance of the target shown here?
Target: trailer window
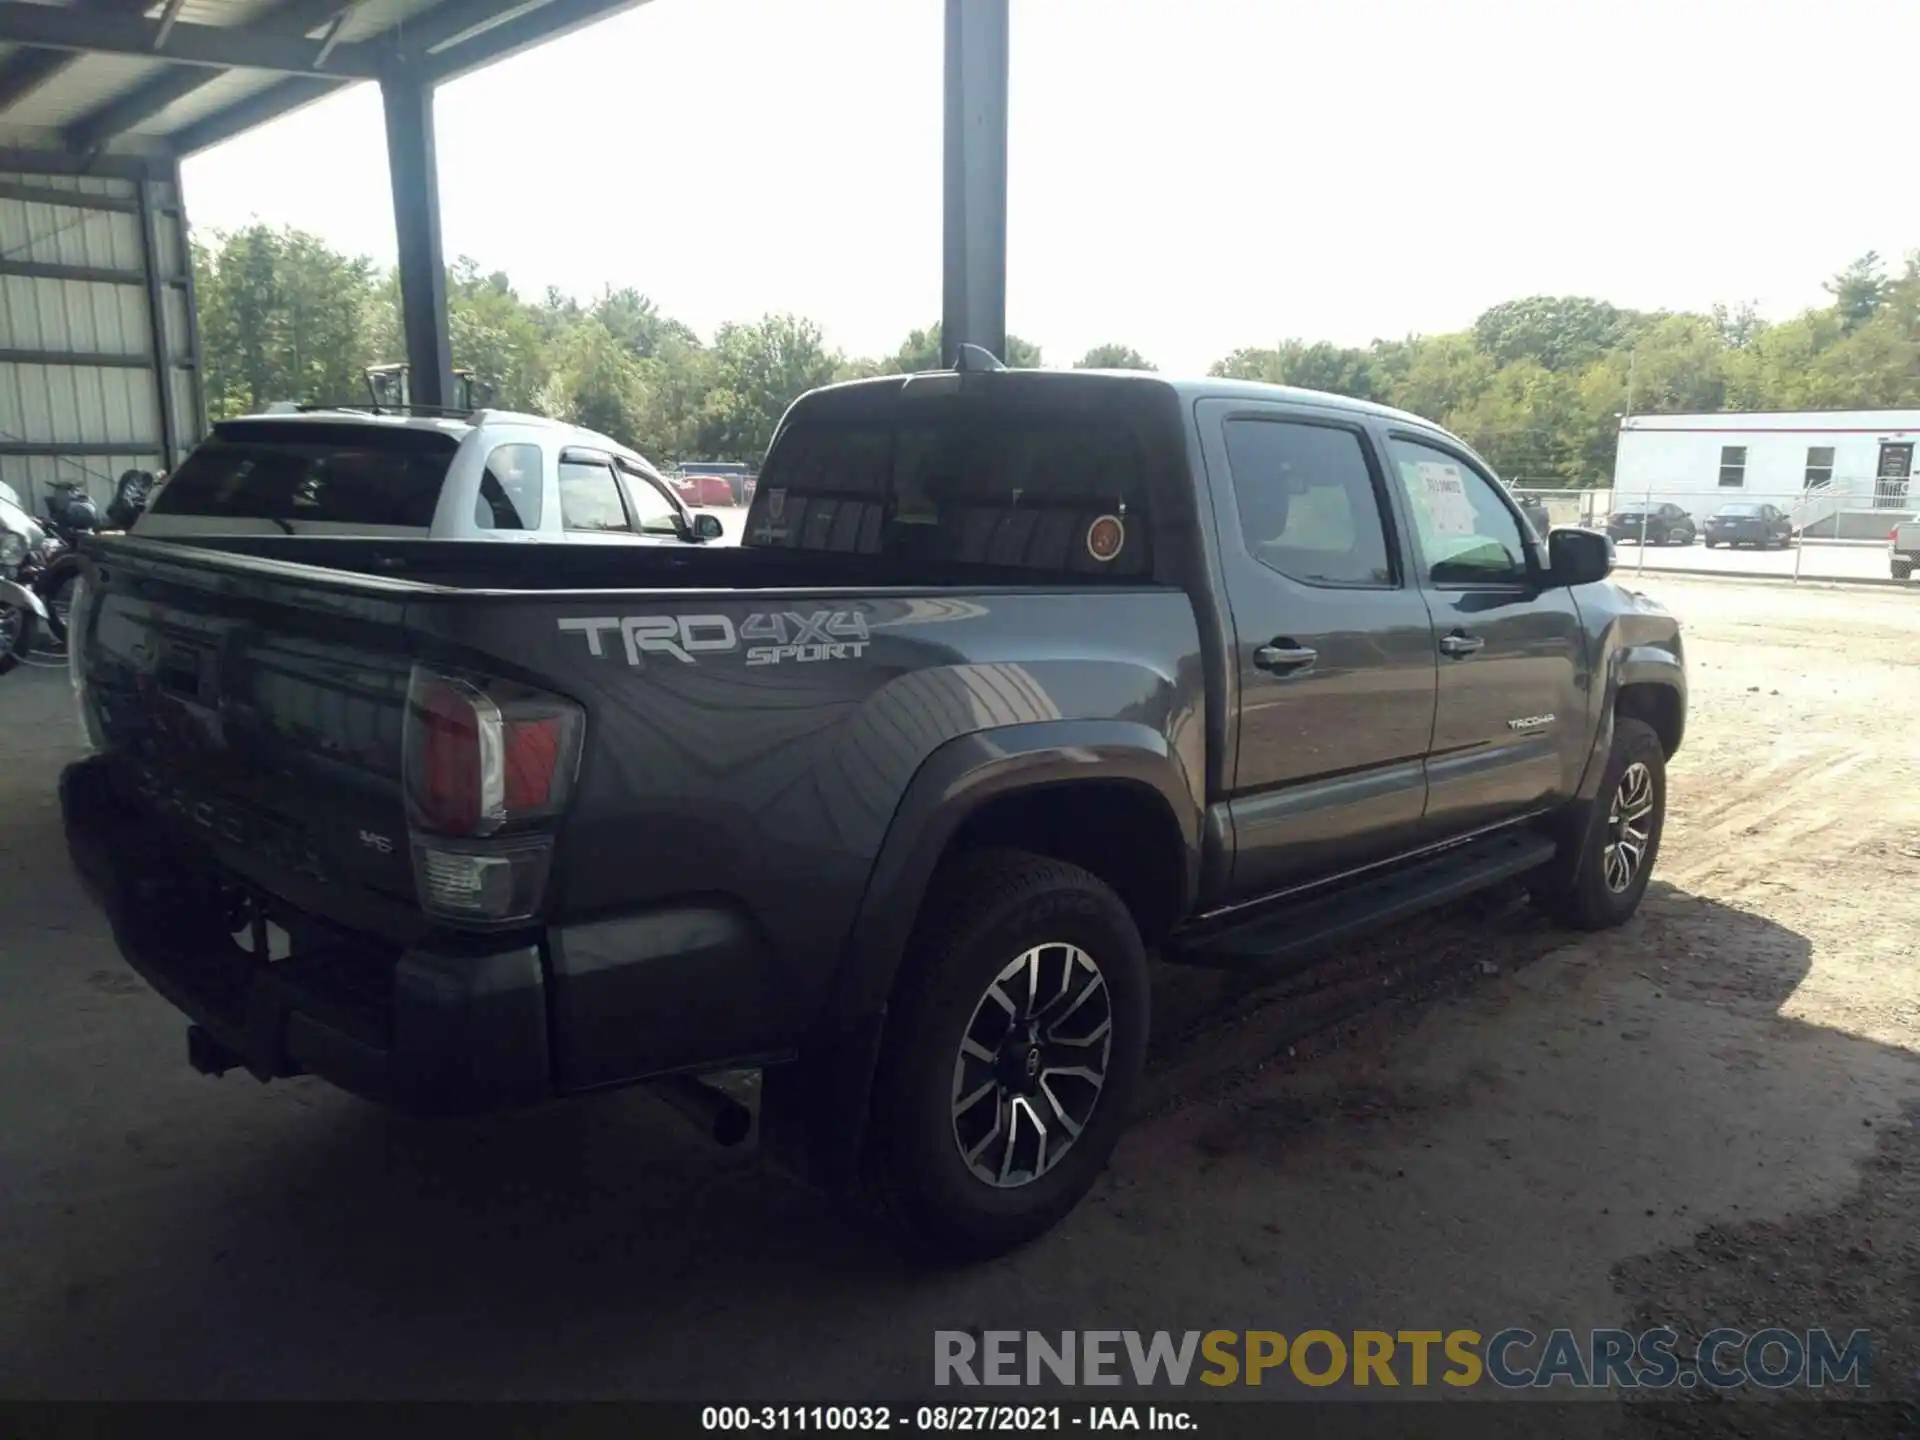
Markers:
(1819, 467)
(1733, 466)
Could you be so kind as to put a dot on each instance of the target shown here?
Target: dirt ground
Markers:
(1709, 1118)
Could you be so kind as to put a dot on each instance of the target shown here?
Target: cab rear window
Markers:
(1029, 491)
(347, 474)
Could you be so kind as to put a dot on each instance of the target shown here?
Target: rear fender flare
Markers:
(955, 782)
(814, 1111)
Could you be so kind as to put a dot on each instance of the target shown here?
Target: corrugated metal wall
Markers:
(90, 267)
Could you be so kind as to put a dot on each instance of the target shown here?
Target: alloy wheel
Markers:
(1629, 827)
(1032, 1064)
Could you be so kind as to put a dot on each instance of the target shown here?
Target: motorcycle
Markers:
(72, 515)
(22, 612)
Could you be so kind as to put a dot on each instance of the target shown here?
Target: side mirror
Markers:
(1578, 557)
(707, 527)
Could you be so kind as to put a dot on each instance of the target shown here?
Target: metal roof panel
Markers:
(216, 94)
(89, 81)
(56, 92)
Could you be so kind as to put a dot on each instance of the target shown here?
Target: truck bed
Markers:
(492, 566)
(751, 720)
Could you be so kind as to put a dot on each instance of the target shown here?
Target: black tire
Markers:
(1585, 898)
(988, 910)
(56, 593)
(17, 631)
(1710, 543)
(1902, 569)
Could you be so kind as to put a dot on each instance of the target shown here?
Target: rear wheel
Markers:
(1902, 569)
(1621, 840)
(17, 631)
(1012, 1057)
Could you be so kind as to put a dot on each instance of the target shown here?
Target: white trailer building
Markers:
(1844, 473)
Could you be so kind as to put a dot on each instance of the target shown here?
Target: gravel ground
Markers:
(1706, 1118)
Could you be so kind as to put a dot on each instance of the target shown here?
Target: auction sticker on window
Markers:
(1446, 494)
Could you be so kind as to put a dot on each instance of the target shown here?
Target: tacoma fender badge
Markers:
(1531, 722)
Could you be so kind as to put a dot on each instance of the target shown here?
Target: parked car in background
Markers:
(493, 475)
(734, 476)
(705, 490)
(1905, 541)
(1655, 523)
(1536, 513)
(1749, 522)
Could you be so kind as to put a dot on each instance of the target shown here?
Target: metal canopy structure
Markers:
(100, 99)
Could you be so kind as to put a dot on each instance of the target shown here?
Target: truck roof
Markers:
(1206, 387)
(457, 426)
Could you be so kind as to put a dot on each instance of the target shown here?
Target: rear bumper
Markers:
(419, 1030)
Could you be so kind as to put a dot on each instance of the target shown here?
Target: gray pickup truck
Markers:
(1015, 679)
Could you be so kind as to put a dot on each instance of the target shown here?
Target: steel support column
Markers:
(182, 231)
(416, 218)
(974, 308)
(160, 355)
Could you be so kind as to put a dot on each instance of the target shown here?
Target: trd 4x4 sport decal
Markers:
(787, 636)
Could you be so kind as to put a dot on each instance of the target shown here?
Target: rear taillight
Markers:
(488, 767)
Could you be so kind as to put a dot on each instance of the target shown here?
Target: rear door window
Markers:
(294, 470)
(511, 489)
(590, 497)
(1307, 503)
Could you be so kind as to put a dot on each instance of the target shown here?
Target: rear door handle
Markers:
(1282, 658)
(1460, 644)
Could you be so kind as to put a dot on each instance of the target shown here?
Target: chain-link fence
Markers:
(1838, 531)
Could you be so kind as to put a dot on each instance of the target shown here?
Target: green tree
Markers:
(1537, 384)
(636, 322)
(597, 383)
(921, 351)
(1858, 290)
(1319, 366)
(496, 335)
(282, 317)
(759, 369)
(1113, 357)
(1564, 332)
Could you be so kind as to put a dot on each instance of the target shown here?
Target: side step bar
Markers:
(1320, 921)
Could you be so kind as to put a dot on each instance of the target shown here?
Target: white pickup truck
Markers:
(1905, 538)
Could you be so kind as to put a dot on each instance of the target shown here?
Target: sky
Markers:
(1185, 176)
